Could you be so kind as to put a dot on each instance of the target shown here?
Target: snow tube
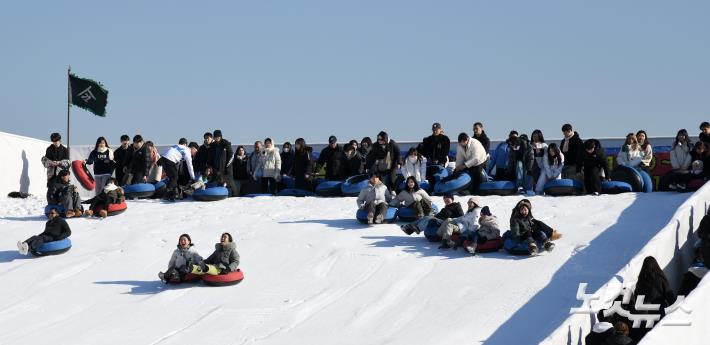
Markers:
(695, 184)
(231, 278)
(518, 248)
(615, 187)
(452, 184)
(295, 192)
(211, 194)
(329, 188)
(407, 214)
(390, 216)
(83, 175)
(160, 188)
(60, 210)
(288, 181)
(565, 186)
(422, 184)
(139, 190)
(633, 177)
(256, 195)
(53, 248)
(489, 246)
(188, 278)
(430, 232)
(354, 184)
(499, 158)
(113, 209)
(497, 188)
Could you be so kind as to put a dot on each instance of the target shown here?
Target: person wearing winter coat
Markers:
(374, 199)
(140, 162)
(384, 158)
(120, 157)
(110, 194)
(703, 232)
(591, 165)
(241, 170)
(103, 161)
(525, 228)
(539, 149)
(451, 210)
(630, 153)
(270, 167)
(225, 258)
(55, 229)
(56, 158)
(471, 158)
(365, 147)
(332, 157)
(170, 161)
(413, 197)
(599, 333)
(181, 261)
(488, 229)
(704, 135)
(63, 193)
(646, 150)
(352, 160)
(467, 222)
(286, 159)
(435, 148)
(480, 135)
(699, 168)
(156, 170)
(551, 168)
(302, 165)
(680, 161)
(204, 153)
(654, 286)
(571, 146)
(414, 165)
(520, 162)
(220, 158)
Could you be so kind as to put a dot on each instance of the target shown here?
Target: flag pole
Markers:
(68, 107)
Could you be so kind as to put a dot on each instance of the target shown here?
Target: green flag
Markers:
(88, 94)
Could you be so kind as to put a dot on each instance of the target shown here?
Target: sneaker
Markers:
(532, 248)
(672, 186)
(471, 248)
(78, 213)
(70, 213)
(161, 275)
(379, 219)
(23, 248)
(681, 186)
(549, 246)
(89, 213)
(521, 190)
(370, 218)
(407, 228)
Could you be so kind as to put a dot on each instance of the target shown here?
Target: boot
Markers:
(407, 228)
(161, 275)
(89, 213)
(555, 235)
(103, 214)
(370, 217)
(470, 247)
(549, 246)
(532, 248)
(379, 218)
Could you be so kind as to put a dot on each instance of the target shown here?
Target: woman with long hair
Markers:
(101, 157)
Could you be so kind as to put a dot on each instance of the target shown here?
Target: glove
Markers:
(222, 267)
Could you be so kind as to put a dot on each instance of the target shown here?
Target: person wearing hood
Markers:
(270, 167)
(55, 229)
(220, 158)
(466, 223)
(302, 165)
(570, 146)
(414, 197)
(451, 209)
(63, 193)
(374, 199)
(470, 157)
(170, 161)
(241, 170)
(384, 158)
(332, 157)
(525, 228)
(140, 162)
(352, 160)
(110, 194)
(435, 148)
(103, 161)
(225, 258)
(287, 159)
(181, 261)
(365, 147)
(56, 158)
(415, 165)
(121, 156)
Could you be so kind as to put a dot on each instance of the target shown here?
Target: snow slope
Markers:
(313, 274)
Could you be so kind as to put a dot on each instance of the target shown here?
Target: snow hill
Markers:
(313, 274)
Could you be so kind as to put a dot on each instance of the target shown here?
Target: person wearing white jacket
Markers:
(471, 157)
(630, 153)
(467, 222)
(414, 197)
(680, 161)
(414, 165)
(552, 164)
(181, 261)
(374, 199)
(270, 167)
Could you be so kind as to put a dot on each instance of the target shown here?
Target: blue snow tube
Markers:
(160, 188)
(329, 188)
(616, 187)
(60, 210)
(639, 180)
(518, 248)
(438, 172)
(390, 216)
(500, 156)
(498, 188)
(354, 184)
(288, 181)
(256, 195)
(52, 248)
(295, 192)
(430, 232)
(565, 186)
(647, 181)
(453, 183)
(423, 185)
(211, 194)
(139, 190)
(408, 214)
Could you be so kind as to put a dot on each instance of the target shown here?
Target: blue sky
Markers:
(285, 69)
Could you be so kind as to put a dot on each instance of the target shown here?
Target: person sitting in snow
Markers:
(467, 222)
(63, 193)
(488, 229)
(181, 261)
(451, 210)
(374, 199)
(525, 228)
(55, 229)
(110, 194)
(225, 258)
(414, 197)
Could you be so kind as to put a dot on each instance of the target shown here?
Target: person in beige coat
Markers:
(414, 197)
(270, 167)
(471, 157)
(374, 199)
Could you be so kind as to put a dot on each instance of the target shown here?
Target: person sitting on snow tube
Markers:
(374, 199)
(552, 163)
(525, 228)
(110, 194)
(55, 229)
(451, 210)
(63, 193)
(414, 197)
(488, 229)
(209, 178)
(181, 261)
(225, 258)
(467, 222)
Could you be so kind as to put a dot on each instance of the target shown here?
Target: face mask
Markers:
(287, 149)
(412, 159)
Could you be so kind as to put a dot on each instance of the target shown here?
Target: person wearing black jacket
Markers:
(121, 157)
(520, 162)
(240, 169)
(332, 157)
(705, 133)
(384, 158)
(139, 163)
(480, 135)
(203, 154)
(591, 163)
(56, 158)
(525, 228)
(63, 193)
(102, 158)
(436, 146)
(352, 160)
(220, 158)
(451, 210)
(302, 165)
(654, 286)
(571, 148)
(55, 229)
(286, 159)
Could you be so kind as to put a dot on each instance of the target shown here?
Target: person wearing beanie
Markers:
(526, 229)
(63, 193)
(220, 157)
(223, 260)
(332, 157)
(436, 146)
(488, 229)
(471, 158)
(384, 158)
(181, 261)
(56, 158)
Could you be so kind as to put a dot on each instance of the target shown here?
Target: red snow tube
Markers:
(83, 175)
(188, 278)
(231, 278)
(113, 209)
(490, 246)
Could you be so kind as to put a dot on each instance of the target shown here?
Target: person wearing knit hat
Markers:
(181, 261)
(524, 228)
